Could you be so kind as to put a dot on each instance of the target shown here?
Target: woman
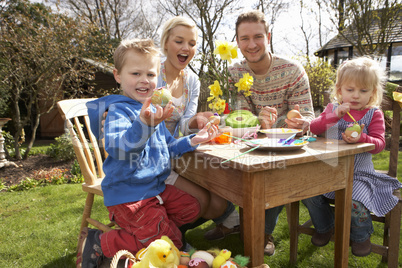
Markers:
(179, 45)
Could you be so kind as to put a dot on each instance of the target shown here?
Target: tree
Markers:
(40, 61)
(120, 19)
(368, 26)
(272, 9)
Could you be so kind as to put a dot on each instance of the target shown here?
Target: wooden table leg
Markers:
(293, 232)
(343, 210)
(253, 218)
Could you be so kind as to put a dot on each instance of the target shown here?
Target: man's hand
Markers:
(267, 117)
(153, 119)
(298, 123)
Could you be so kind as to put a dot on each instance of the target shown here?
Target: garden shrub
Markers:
(321, 76)
(62, 149)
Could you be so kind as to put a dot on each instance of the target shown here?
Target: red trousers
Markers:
(147, 220)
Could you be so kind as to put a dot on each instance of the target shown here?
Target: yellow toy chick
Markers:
(223, 256)
(161, 253)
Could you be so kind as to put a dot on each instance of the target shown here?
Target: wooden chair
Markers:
(389, 250)
(88, 153)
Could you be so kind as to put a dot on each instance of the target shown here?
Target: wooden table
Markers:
(264, 179)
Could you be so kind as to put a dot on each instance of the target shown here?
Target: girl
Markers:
(358, 93)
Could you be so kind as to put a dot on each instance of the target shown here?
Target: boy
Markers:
(140, 149)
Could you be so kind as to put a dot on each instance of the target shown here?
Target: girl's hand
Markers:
(298, 123)
(206, 134)
(267, 117)
(342, 109)
(153, 119)
(350, 139)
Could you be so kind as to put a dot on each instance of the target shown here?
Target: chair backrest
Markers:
(392, 105)
(75, 115)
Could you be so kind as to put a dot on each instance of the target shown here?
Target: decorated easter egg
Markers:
(204, 255)
(294, 114)
(228, 264)
(215, 119)
(353, 131)
(161, 96)
(184, 258)
(198, 263)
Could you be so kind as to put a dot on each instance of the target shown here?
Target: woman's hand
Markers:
(199, 120)
(153, 119)
(267, 117)
(206, 134)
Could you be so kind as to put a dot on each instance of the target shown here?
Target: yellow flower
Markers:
(219, 105)
(226, 50)
(245, 84)
(215, 89)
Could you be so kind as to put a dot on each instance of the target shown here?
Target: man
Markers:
(280, 85)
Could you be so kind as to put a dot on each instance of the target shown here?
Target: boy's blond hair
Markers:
(364, 72)
(143, 46)
(252, 16)
(172, 23)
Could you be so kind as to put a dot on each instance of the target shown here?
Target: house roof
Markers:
(101, 66)
(340, 42)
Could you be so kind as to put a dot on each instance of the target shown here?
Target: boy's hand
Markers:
(342, 109)
(153, 119)
(206, 134)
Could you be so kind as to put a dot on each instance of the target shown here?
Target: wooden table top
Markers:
(257, 160)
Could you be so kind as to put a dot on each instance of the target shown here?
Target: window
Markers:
(395, 73)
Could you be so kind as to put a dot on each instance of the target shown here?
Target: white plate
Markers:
(280, 133)
(276, 145)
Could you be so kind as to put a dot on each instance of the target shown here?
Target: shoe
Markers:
(187, 247)
(361, 249)
(320, 240)
(89, 253)
(269, 245)
(220, 231)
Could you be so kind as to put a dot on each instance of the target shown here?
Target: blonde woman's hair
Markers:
(252, 16)
(143, 46)
(364, 72)
(171, 24)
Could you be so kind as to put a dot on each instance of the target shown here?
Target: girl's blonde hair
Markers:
(171, 24)
(364, 72)
(143, 46)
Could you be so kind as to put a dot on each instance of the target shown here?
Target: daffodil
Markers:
(218, 105)
(222, 98)
(245, 84)
(226, 50)
(215, 89)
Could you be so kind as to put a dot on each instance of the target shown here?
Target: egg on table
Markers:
(198, 263)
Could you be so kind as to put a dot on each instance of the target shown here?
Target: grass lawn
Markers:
(39, 228)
